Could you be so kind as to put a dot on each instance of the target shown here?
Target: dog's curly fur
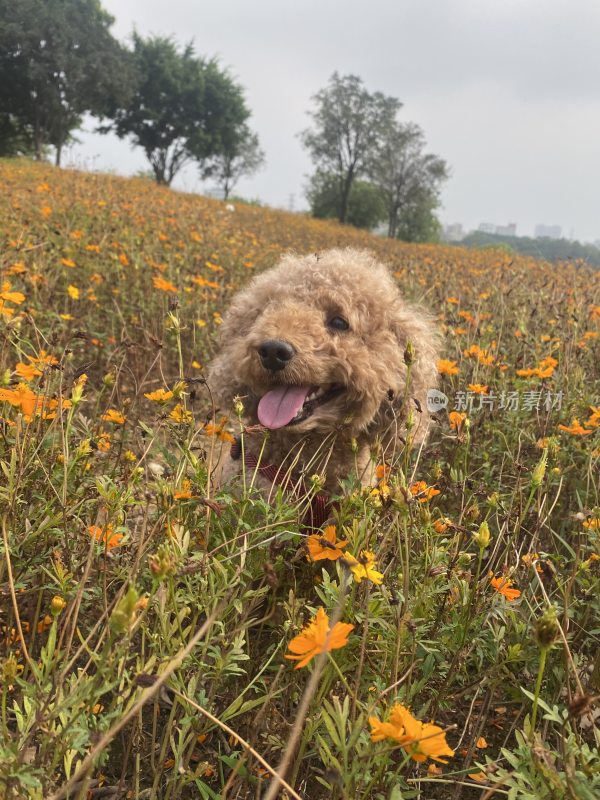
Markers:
(295, 302)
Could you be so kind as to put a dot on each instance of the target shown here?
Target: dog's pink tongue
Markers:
(279, 406)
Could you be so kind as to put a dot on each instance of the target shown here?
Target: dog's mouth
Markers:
(289, 405)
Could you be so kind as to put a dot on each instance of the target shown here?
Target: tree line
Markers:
(546, 248)
(60, 61)
(371, 168)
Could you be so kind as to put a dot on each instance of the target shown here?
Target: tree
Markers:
(182, 108)
(418, 221)
(58, 60)
(409, 180)
(348, 121)
(366, 208)
(241, 155)
(15, 138)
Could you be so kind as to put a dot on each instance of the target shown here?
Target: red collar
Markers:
(317, 512)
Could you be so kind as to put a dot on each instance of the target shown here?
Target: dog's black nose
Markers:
(275, 354)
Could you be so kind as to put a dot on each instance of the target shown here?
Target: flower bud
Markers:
(238, 406)
(163, 562)
(538, 473)
(57, 604)
(482, 537)
(547, 628)
(409, 354)
(122, 618)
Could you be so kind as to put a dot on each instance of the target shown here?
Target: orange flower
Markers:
(545, 369)
(163, 285)
(575, 428)
(27, 371)
(382, 471)
(421, 740)
(106, 536)
(212, 429)
(325, 546)
(22, 397)
(456, 419)
(185, 492)
(43, 358)
(442, 525)
(112, 415)
(446, 367)
(594, 418)
(478, 388)
(503, 586)
(422, 492)
(317, 637)
(159, 396)
(68, 262)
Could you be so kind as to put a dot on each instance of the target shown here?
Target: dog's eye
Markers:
(338, 324)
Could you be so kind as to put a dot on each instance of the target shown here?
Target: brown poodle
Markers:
(316, 349)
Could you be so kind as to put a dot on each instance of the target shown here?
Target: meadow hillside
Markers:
(145, 620)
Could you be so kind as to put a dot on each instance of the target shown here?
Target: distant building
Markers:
(548, 232)
(454, 232)
(216, 193)
(506, 230)
(499, 230)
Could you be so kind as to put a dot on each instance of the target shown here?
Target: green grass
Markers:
(144, 620)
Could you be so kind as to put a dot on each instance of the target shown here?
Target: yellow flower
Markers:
(112, 415)
(364, 567)
(325, 546)
(57, 604)
(73, 292)
(180, 415)
(421, 740)
(592, 524)
(11, 297)
(317, 637)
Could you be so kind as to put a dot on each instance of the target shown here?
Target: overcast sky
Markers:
(507, 91)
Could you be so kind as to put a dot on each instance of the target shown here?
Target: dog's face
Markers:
(315, 344)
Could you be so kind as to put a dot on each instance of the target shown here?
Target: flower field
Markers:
(161, 640)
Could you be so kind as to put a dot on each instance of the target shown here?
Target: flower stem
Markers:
(538, 686)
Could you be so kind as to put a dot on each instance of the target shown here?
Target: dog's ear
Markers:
(416, 372)
(237, 322)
